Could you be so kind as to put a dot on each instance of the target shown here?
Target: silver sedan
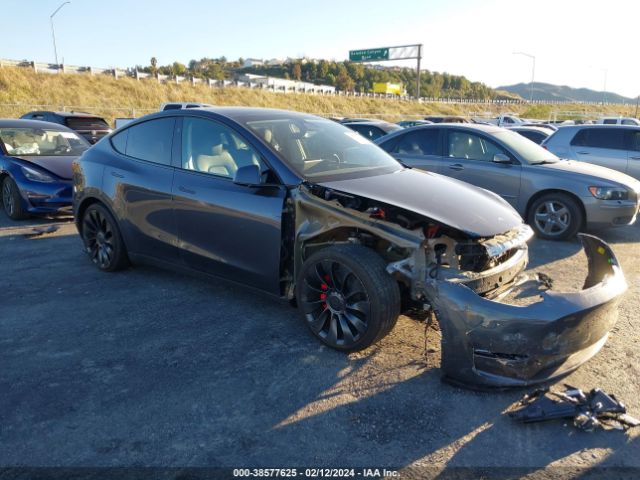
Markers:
(556, 197)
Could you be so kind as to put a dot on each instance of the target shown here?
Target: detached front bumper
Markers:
(486, 343)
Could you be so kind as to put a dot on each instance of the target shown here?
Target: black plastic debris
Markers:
(37, 231)
(588, 411)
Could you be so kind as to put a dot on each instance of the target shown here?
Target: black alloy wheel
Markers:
(102, 239)
(347, 298)
(11, 200)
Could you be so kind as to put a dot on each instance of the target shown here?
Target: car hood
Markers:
(595, 172)
(470, 209)
(58, 165)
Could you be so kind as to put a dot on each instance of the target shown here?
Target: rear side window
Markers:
(628, 122)
(368, 131)
(420, 142)
(634, 140)
(600, 138)
(86, 123)
(150, 141)
(533, 136)
(610, 121)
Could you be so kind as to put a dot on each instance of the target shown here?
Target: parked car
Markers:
(557, 198)
(535, 134)
(305, 209)
(35, 166)
(412, 123)
(91, 127)
(372, 129)
(181, 105)
(502, 120)
(446, 119)
(618, 121)
(612, 146)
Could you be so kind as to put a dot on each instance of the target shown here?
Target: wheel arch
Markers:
(86, 203)
(572, 195)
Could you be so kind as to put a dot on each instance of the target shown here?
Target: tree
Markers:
(154, 66)
(344, 82)
(297, 71)
(178, 68)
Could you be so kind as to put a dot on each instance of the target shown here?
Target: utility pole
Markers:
(637, 99)
(418, 73)
(533, 72)
(53, 32)
(604, 91)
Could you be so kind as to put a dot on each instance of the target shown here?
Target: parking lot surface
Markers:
(151, 368)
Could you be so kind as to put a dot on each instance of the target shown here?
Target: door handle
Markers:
(456, 166)
(116, 174)
(186, 190)
(583, 153)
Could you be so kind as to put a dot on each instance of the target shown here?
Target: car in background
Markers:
(91, 127)
(372, 129)
(35, 166)
(618, 121)
(412, 123)
(611, 146)
(535, 134)
(305, 209)
(557, 198)
(446, 119)
(181, 105)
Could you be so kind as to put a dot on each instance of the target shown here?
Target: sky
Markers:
(586, 43)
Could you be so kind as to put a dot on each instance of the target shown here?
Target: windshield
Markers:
(321, 150)
(529, 151)
(41, 142)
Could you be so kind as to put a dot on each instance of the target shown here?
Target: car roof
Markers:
(597, 125)
(66, 114)
(20, 123)
(530, 128)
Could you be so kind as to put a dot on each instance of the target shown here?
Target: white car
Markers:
(618, 121)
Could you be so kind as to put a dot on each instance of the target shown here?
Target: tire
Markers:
(555, 216)
(347, 298)
(12, 200)
(102, 240)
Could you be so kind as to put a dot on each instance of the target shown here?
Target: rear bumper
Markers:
(486, 343)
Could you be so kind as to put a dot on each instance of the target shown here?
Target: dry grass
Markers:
(22, 90)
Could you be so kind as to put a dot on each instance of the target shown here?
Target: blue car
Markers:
(35, 167)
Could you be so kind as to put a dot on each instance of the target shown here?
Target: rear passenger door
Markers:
(601, 146)
(138, 180)
(419, 148)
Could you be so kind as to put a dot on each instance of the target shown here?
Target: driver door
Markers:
(229, 230)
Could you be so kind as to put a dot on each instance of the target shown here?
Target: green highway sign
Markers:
(369, 55)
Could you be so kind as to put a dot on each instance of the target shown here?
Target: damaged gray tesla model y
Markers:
(307, 210)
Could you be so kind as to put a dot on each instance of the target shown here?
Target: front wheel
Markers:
(102, 239)
(555, 216)
(12, 201)
(347, 298)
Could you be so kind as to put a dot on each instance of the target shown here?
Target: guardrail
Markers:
(51, 68)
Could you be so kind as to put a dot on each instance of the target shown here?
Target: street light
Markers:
(53, 32)
(533, 71)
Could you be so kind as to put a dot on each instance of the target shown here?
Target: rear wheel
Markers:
(12, 200)
(347, 298)
(555, 216)
(102, 239)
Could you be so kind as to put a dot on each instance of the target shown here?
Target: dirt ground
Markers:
(151, 368)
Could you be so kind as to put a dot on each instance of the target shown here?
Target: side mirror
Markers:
(498, 158)
(248, 175)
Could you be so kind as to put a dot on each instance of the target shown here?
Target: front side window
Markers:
(472, 147)
(368, 132)
(210, 147)
(420, 142)
(319, 149)
(150, 141)
(41, 142)
(600, 138)
(610, 121)
(634, 142)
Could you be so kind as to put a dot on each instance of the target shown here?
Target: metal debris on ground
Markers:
(588, 410)
(37, 231)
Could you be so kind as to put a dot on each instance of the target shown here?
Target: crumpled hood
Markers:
(596, 172)
(464, 207)
(58, 165)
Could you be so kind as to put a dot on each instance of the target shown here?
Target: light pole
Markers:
(53, 32)
(533, 71)
(604, 92)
